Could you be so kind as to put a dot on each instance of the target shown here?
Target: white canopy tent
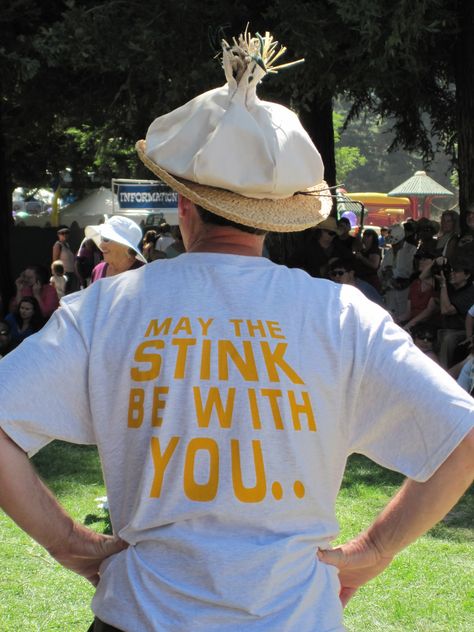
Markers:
(90, 210)
(103, 202)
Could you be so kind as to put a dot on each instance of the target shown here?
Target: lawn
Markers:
(428, 588)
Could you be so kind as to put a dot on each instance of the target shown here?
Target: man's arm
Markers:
(56, 251)
(26, 499)
(414, 509)
(445, 305)
(430, 310)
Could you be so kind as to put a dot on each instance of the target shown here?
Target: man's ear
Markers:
(184, 206)
(180, 205)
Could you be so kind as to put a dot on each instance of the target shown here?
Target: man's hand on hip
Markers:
(358, 561)
(85, 550)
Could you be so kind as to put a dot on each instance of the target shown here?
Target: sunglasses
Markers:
(337, 273)
(330, 232)
(105, 239)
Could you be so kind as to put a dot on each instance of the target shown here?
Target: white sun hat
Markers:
(120, 229)
(396, 234)
(244, 159)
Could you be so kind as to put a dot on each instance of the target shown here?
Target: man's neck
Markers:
(226, 241)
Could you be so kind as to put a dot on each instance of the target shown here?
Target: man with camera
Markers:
(446, 313)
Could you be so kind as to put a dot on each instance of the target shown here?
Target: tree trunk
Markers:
(464, 73)
(294, 249)
(317, 121)
(6, 222)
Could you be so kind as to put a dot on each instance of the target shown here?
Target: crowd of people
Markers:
(107, 249)
(421, 271)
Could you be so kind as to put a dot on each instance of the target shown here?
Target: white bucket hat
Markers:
(396, 234)
(120, 229)
(244, 159)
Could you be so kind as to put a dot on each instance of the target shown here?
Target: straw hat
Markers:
(330, 223)
(120, 229)
(244, 159)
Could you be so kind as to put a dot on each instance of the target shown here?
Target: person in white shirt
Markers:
(225, 410)
(58, 279)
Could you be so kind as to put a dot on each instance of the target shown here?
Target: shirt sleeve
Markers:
(44, 386)
(403, 411)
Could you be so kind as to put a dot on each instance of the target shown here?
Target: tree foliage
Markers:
(347, 157)
(81, 80)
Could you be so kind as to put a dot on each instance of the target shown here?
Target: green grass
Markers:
(428, 588)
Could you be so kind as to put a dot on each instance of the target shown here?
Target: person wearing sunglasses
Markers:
(424, 337)
(342, 270)
(118, 239)
(323, 247)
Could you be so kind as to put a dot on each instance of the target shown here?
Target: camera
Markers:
(438, 267)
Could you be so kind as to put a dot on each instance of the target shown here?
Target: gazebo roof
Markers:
(420, 185)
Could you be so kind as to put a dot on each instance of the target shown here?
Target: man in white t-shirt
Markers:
(165, 239)
(225, 411)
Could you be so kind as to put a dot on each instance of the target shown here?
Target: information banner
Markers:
(146, 196)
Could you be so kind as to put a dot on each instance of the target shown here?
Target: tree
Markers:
(25, 109)
(419, 69)
(82, 81)
(347, 157)
(409, 62)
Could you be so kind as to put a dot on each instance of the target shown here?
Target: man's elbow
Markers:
(6, 440)
(465, 453)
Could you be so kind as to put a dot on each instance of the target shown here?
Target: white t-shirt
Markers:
(224, 411)
(401, 262)
(163, 242)
(58, 281)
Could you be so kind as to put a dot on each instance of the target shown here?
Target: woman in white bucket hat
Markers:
(118, 239)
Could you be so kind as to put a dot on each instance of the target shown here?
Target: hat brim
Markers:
(105, 230)
(331, 227)
(298, 212)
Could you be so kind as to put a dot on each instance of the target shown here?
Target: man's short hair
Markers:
(216, 220)
(344, 220)
(464, 263)
(348, 263)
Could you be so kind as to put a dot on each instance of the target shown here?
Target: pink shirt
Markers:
(100, 270)
(49, 299)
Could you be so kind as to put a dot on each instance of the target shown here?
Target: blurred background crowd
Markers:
(421, 272)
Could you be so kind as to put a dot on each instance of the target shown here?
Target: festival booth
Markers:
(147, 202)
(90, 210)
(381, 209)
(421, 191)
